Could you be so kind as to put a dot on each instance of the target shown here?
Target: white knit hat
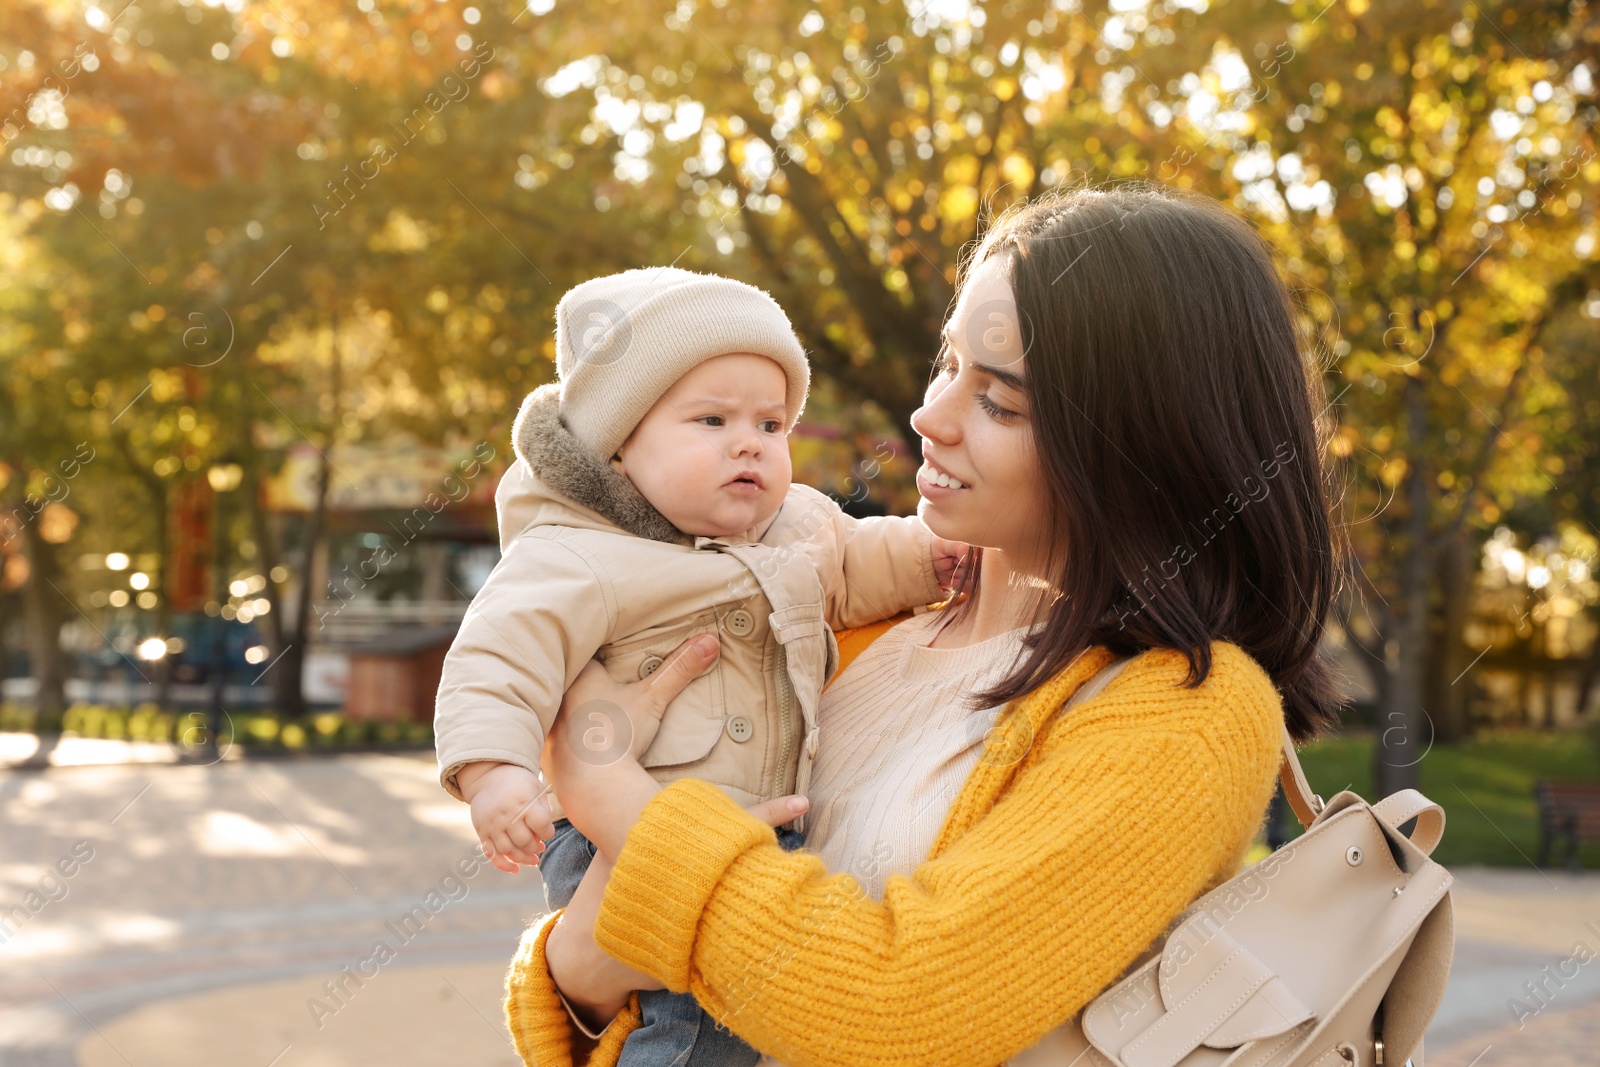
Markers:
(624, 339)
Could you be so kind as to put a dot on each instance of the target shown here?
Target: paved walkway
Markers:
(208, 908)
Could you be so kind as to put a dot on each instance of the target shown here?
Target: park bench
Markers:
(1568, 810)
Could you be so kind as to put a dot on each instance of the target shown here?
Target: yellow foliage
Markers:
(958, 203)
(165, 385)
(1017, 169)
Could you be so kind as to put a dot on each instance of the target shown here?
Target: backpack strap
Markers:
(1296, 790)
(1400, 807)
(1395, 809)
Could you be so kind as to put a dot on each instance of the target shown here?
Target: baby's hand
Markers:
(510, 815)
(952, 561)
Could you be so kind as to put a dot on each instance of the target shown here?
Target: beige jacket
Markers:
(589, 569)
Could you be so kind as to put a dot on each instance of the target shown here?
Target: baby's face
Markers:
(712, 454)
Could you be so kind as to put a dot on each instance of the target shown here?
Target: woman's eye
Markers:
(1003, 414)
(946, 365)
(713, 420)
(773, 426)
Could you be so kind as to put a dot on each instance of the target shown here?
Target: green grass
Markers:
(259, 730)
(1485, 787)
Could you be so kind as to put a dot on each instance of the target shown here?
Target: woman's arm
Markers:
(603, 791)
(1117, 819)
(595, 984)
(541, 1030)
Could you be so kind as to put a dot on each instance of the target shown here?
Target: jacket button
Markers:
(648, 666)
(740, 623)
(740, 728)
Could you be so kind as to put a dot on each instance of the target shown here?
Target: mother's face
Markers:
(976, 428)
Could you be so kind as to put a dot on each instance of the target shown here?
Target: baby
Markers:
(651, 501)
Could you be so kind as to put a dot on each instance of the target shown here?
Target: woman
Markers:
(1125, 426)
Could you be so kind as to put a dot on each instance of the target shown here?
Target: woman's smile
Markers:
(936, 483)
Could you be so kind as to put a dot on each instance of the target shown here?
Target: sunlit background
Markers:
(277, 274)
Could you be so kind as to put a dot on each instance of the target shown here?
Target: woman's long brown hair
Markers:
(1178, 423)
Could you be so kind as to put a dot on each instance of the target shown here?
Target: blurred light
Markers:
(244, 613)
(118, 598)
(239, 587)
(261, 605)
(63, 198)
(176, 645)
(225, 476)
(139, 580)
(280, 574)
(152, 648)
(147, 600)
(1538, 577)
(1514, 562)
(227, 611)
(117, 561)
(255, 654)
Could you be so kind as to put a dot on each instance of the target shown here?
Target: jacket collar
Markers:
(542, 441)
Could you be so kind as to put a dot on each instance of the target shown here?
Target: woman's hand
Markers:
(591, 758)
(596, 985)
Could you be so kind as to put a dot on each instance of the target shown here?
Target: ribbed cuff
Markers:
(536, 1013)
(583, 1027)
(686, 837)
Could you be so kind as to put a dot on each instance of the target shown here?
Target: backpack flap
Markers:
(1207, 990)
(1418, 986)
(1289, 954)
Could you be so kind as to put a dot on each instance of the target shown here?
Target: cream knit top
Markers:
(897, 742)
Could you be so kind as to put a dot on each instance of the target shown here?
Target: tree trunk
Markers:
(1404, 729)
(159, 494)
(267, 548)
(1588, 676)
(290, 686)
(1448, 656)
(46, 610)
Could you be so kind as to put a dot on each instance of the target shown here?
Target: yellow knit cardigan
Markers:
(1072, 846)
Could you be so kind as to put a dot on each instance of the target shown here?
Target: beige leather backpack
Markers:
(1332, 951)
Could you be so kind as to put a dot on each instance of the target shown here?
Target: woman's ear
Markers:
(616, 462)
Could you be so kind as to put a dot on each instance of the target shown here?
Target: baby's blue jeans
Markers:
(674, 1030)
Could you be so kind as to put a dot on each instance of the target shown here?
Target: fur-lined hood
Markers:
(566, 477)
